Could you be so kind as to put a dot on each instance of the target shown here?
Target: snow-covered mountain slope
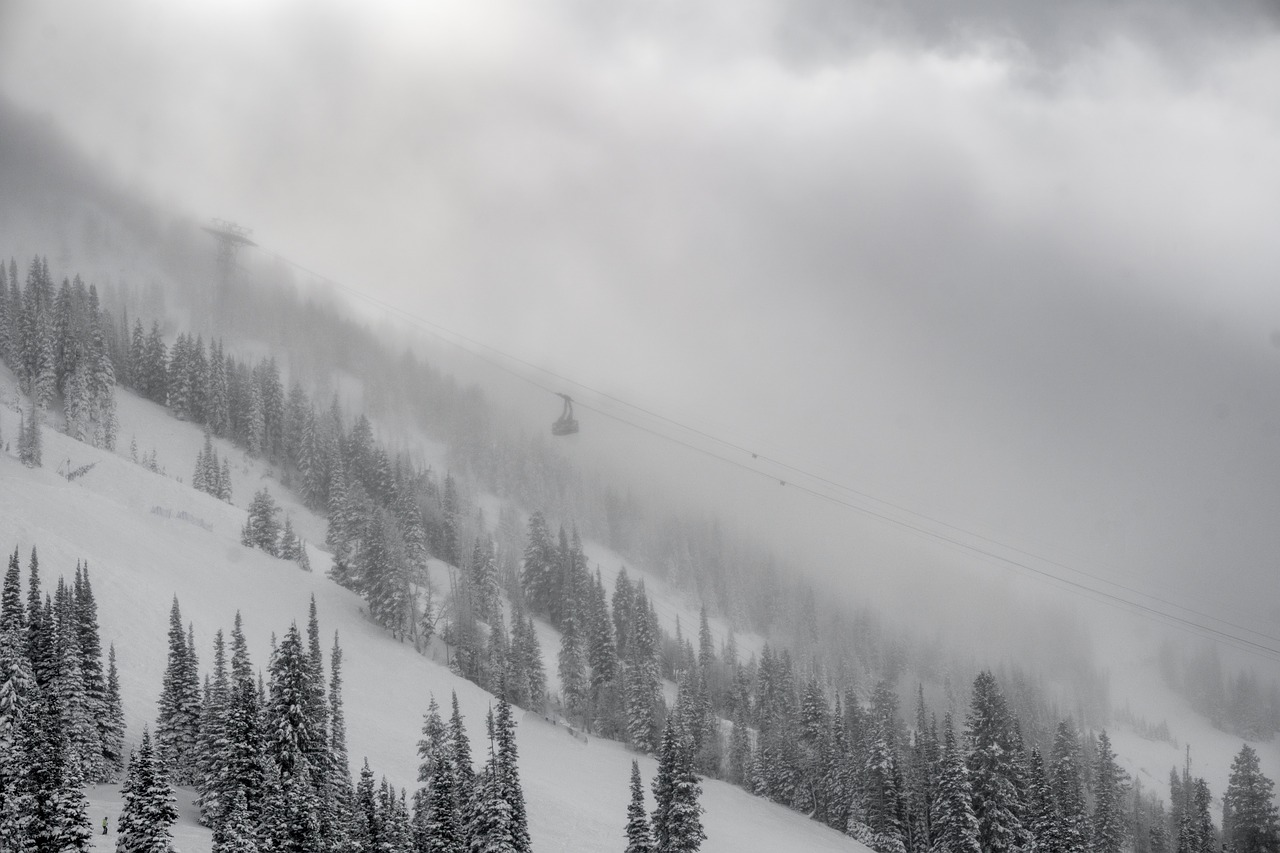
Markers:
(149, 537)
(1136, 684)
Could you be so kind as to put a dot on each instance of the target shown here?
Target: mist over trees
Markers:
(814, 722)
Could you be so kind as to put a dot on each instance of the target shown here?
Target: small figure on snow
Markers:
(104, 824)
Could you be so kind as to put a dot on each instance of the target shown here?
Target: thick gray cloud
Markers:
(1013, 268)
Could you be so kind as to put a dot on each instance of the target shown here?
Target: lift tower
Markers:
(231, 239)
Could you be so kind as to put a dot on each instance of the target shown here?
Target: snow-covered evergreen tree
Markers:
(574, 684)
(341, 792)
(30, 439)
(643, 678)
(1254, 825)
(992, 769)
(639, 837)
(149, 805)
(1108, 827)
(113, 724)
(262, 528)
(178, 723)
(677, 815)
(1068, 788)
(537, 576)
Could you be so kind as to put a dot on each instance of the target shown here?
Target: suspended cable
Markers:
(502, 361)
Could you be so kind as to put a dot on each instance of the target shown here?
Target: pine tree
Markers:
(955, 827)
(12, 617)
(1044, 819)
(639, 838)
(677, 821)
(212, 738)
(643, 683)
(528, 682)
(509, 775)
(1254, 825)
(1108, 818)
(113, 717)
(289, 544)
(439, 824)
(17, 699)
(574, 686)
(882, 782)
(537, 575)
(992, 768)
(1068, 788)
(261, 528)
(341, 790)
(243, 766)
(484, 579)
(178, 724)
(149, 809)
(433, 747)
(89, 647)
(30, 439)
(236, 831)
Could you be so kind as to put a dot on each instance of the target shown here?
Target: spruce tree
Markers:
(1068, 788)
(262, 528)
(433, 748)
(537, 576)
(30, 439)
(955, 827)
(236, 831)
(212, 739)
(178, 723)
(243, 766)
(341, 790)
(992, 768)
(639, 838)
(149, 809)
(643, 678)
(1254, 825)
(1108, 829)
(113, 717)
(1043, 817)
(509, 775)
(12, 617)
(574, 685)
(677, 815)
(530, 680)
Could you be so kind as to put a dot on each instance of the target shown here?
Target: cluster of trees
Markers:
(1239, 703)
(56, 342)
(610, 680)
(386, 516)
(457, 809)
(377, 532)
(980, 789)
(676, 823)
(234, 400)
(271, 766)
(211, 476)
(269, 760)
(61, 720)
(262, 530)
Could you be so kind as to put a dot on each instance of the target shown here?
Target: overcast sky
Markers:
(1016, 266)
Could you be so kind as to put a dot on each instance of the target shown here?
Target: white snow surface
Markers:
(129, 525)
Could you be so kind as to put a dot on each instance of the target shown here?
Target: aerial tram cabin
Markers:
(567, 424)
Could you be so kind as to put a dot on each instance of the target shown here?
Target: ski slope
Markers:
(149, 537)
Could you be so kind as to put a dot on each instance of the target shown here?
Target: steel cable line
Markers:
(1099, 595)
